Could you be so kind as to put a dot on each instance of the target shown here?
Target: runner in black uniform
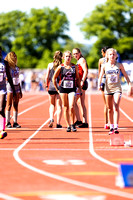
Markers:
(68, 76)
(67, 83)
(54, 96)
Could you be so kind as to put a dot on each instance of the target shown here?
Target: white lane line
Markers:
(127, 98)
(91, 146)
(45, 149)
(28, 99)
(30, 108)
(126, 115)
(64, 179)
(7, 197)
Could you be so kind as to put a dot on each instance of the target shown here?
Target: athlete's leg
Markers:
(2, 104)
(84, 110)
(105, 109)
(65, 103)
(2, 109)
(109, 101)
(117, 98)
(77, 106)
(71, 106)
(8, 106)
(59, 108)
(15, 109)
(52, 106)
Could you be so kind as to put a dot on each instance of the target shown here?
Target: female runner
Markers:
(68, 73)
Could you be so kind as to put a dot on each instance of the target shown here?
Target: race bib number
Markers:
(15, 81)
(113, 78)
(1, 77)
(68, 84)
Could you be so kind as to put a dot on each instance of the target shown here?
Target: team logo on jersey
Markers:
(117, 71)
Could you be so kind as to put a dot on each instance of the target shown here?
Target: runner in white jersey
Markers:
(11, 58)
(113, 88)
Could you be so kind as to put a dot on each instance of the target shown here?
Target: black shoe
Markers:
(116, 131)
(16, 125)
(77, 123)
(51, 123)
(8, 125)
(73, 128)
(58, 126)
(3, 134)
(83, 125)
(68, 129)
(111, 131)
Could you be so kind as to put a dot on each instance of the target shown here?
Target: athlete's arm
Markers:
(9, 78)
(85, 69)
(100, 76)
(124, 73)
(56, 74)
(99, 66)
(77, 77)
(47, 75)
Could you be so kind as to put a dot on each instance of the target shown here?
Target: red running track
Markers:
(41, 163)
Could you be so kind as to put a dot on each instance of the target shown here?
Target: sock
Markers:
(4, 123)
(15, 115)
(116, 126)
(7, 116)
(111, 126)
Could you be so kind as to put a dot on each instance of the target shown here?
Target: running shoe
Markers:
(77, 123)
(3, 134)
(107, 126)
(51, 123)
(68, 129)
(16, 125)
(116, 131)
(111, 131)
(83, 125)
(8, 125)
(58, 126)
(73, 128)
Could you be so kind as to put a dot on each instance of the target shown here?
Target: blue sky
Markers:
(74, 9)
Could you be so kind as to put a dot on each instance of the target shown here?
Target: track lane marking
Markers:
(105, 190)
(87, 194)
(127, 98)
(7, 197)
(29, 99)
(91, 146)
(126, 115)
(93, 173)
(30, 108)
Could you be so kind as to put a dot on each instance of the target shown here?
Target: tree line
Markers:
(37, 35)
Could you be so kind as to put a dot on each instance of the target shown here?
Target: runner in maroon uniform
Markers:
(69, 74)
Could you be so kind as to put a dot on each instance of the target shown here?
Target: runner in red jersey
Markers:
(83, 73)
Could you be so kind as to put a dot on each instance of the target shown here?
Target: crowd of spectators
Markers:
(34, 80)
